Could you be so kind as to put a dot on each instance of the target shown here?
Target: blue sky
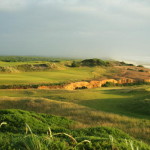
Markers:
(75, 28)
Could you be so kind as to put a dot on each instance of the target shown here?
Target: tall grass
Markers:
(54, 141)
(85, 116)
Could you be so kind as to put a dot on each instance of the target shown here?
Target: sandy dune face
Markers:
(88, 85)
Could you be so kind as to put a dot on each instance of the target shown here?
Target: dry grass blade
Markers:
(50, 132)
(84, 141)
(28, 128)
(71, 137)
(111, 139)
(3, 123)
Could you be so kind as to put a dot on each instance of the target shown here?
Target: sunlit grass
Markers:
(53, 76)
(86, 116)
(115, 100)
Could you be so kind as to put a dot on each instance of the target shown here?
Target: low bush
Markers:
(75, 64)
(94, 62)
(109, 84)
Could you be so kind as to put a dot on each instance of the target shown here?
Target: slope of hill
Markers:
(16, 120)
(79, 139)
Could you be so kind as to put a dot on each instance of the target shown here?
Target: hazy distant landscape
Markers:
(143, 60)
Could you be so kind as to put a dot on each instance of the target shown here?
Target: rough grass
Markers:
(17, 119)
(87, 117)
(12, 134)
(129, 101)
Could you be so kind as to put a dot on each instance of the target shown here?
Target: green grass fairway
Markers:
(53, 76)
(128, 101)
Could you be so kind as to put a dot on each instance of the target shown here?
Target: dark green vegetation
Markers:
(22, 125)
(98, 62)
(16, 120)
(28, 86)
(111, 84)
(94, 62)
(27, 59)
(90, 63)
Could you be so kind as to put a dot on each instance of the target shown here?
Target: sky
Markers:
(76, 28)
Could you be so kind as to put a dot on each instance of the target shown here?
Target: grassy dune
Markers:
(60, 135)
(110, 107)
(51, 72)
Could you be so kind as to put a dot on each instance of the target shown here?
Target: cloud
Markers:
(12, 5)
(79, 25)
(130, 8)
(122, 7)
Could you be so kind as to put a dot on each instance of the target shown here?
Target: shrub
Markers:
(109, 84)
(125, 64)
(75, 64)
(94, 62)
(140, 66)
(141, 70)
